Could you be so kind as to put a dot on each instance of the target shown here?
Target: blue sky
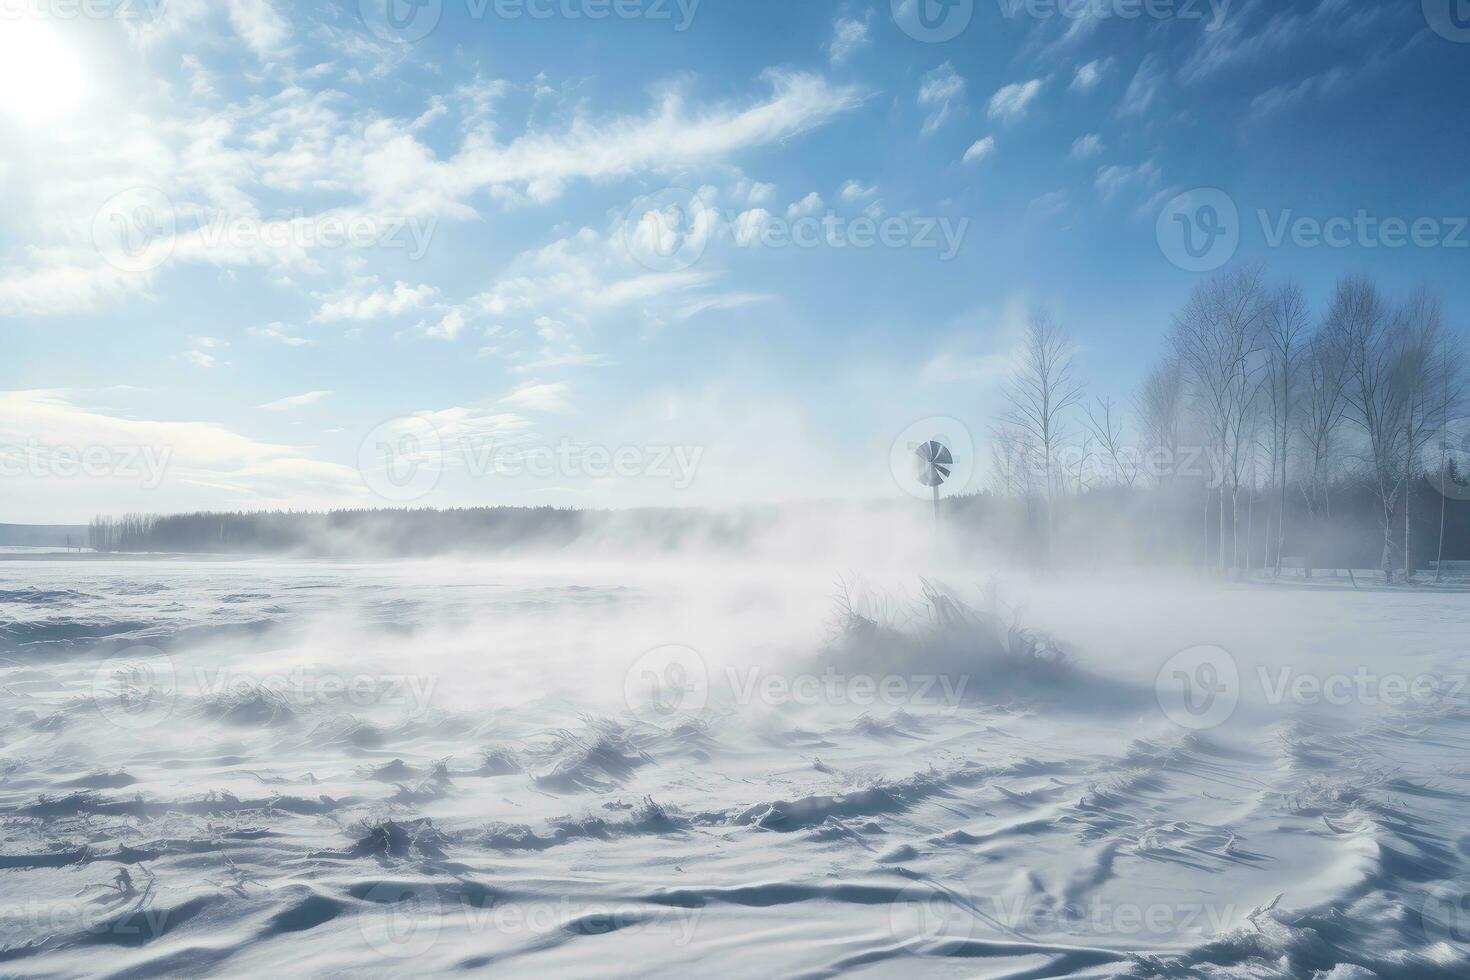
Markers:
(507, 176)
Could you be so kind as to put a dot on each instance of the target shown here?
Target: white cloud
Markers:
(1012, 101)
(279, 333)
(1284, 97)
(1112, 180)
(361, 301)
(163, 466)
(260, 26)
(982, 149)
(539, 164)
(854, 191)
(1089, 75)
(449, 327)
(295, 401)
(1086, 147)
(199, 352)
(1145, 87)
(1049, 205)
(537, 396)
(938, 91)
(848, 37)
(811, 204)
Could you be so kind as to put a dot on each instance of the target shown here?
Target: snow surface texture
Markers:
(308, 768)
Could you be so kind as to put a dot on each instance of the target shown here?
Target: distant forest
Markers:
(1168, 525)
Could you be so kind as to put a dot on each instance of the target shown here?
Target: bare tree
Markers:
(1419, 328)
(1323, 408)
(1218, 338)
(1286, 326)
(1106, 423)
(1040, 395)
(1375, 393)
(1454, 384)
(1160, 409)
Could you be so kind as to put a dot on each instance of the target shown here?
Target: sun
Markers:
(40, 77)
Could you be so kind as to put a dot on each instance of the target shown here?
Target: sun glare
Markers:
(40, 77)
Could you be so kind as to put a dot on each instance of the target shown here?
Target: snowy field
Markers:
(285, 768)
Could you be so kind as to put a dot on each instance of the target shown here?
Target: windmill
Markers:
(933, 464)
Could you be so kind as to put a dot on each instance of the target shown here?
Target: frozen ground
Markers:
(287, 768)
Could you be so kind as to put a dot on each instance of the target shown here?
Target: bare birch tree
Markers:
(1041, 394)
(1375, 394)
(1218, 339)
(1286, 330)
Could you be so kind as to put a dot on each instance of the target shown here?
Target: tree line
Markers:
(1255, 400)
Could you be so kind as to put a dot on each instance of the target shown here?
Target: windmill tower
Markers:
(933, 464)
